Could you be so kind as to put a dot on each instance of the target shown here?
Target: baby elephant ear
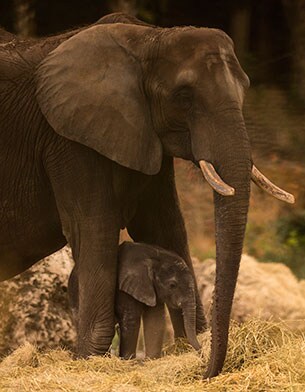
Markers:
(136, 278)
(90, 90)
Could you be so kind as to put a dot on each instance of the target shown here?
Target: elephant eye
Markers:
(172, 285)
(183, 96)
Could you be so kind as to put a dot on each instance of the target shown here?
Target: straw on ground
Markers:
(262, 356)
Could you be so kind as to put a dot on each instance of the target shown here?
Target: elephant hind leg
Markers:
(159, 221)
(73, 293)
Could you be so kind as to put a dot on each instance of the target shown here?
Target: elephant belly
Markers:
(30, 228)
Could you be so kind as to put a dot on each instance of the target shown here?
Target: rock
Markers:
(302, 286)
(264, 290)
(34, 306)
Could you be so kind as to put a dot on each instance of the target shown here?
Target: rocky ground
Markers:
(34, 306)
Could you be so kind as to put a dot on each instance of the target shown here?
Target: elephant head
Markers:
(133, 93)
(151, 274)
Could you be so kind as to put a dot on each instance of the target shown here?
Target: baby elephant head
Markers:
(151, 274)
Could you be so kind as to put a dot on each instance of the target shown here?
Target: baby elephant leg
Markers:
(128, 312)
(154, 328)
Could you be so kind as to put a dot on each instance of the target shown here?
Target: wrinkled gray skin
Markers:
(89, 124)
(148, 278)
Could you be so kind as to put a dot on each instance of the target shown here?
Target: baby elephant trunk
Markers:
(189, 319)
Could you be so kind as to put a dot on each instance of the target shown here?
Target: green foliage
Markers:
(291, 230)
(282, 241)
(203, 254)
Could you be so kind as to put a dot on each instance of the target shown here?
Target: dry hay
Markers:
(262, 356)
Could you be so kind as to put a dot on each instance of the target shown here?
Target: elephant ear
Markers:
(90, 90)
(136, 277)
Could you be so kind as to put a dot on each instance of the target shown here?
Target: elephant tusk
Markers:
(214, 180)
(261, 181)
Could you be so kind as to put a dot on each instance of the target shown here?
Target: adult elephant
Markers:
(89, 124)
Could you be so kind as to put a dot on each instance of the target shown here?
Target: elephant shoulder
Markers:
(19, 58)
(6, 36)
(10, 64)
(13, 66)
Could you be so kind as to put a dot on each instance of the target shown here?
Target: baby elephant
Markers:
(148, 278)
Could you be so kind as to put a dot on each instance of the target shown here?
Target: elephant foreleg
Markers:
(154, 329)
(128, 312)
(96, 282)
(81, 181)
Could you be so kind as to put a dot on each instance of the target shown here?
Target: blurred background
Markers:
(269, 38)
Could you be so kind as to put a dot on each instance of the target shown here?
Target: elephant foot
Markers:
(94, 346)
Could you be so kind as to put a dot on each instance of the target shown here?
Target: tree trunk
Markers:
(295, 10)
(127, 6)
(24, 18)
(240, 30)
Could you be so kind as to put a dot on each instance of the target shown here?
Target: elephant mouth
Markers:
(216, 182)
(172, 303)
(173, 306)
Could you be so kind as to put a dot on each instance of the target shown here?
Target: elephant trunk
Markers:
(230, 220)
(228, 149)
(189, 319)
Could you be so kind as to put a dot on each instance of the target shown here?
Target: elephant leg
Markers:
(158, 221)
(128, 312)
(96, 281)
(73, 295)
(82, 185)
(154, 329)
